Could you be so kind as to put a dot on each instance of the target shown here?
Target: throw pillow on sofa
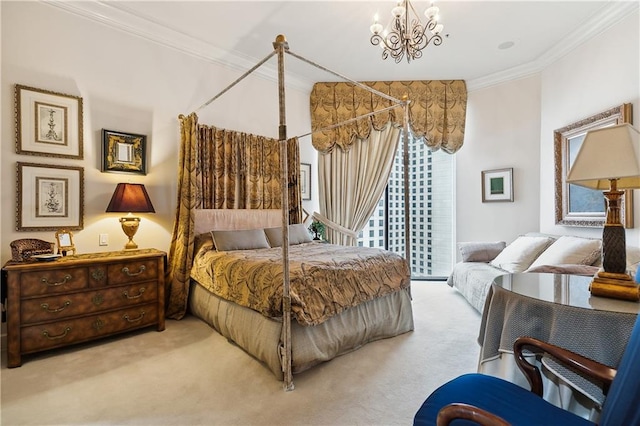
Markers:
(521, 253)
(570, 250)
(480, 251)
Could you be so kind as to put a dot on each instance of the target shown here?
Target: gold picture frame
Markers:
(48, 123)
(64, 240)
(124, 152)
(576, 205)
(49, 197)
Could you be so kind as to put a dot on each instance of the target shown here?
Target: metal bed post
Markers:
(280, 45)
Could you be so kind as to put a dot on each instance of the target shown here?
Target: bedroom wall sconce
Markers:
(609, 159)
(407, 35)
(130, 198)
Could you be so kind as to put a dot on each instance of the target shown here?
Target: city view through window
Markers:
(431, 195)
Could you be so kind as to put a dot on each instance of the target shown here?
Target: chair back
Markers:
(621, 405)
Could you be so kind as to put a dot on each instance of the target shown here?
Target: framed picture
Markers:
(48, 124)
(49, 197)
(576, 205)
(124, 152)
(497, 185)
(305, 181)
(64, 239)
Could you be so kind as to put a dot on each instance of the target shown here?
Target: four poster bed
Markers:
(239, 292)
(295, 303)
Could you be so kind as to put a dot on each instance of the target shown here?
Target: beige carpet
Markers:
(190, 375)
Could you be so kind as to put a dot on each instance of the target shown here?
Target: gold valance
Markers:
(437, 112)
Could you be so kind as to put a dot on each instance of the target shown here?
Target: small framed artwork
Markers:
(124, 152)
(64, 239)
(497, 185)
(305, 181)
(49, 197)
(48, 124)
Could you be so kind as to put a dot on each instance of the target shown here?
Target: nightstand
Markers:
(73, 299)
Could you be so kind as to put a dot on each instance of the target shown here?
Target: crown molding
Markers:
(609, 15)
(119, 17)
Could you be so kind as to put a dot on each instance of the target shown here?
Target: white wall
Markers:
(131, 85)
(600, 74)
(502, 131)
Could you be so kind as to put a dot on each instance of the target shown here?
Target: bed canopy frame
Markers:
(281, 46)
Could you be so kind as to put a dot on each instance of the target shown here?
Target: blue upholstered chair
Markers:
(481, 399)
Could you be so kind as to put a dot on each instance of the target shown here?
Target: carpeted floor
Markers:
(190, 375)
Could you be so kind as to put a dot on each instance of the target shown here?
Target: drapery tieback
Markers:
(346, 231)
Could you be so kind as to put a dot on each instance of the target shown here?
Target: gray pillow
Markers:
(241, 239)
(480, 251)
(298, 234)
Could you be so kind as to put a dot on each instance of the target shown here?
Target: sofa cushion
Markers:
(570, 250)
(480, 251)
(521, 253)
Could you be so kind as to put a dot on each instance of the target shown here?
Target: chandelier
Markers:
(407, 34)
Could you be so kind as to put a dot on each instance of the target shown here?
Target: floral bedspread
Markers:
(325, 279)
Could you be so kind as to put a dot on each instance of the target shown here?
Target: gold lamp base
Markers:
(130, 227)
(613, 285)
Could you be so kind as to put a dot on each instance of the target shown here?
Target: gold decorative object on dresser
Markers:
(73, 299)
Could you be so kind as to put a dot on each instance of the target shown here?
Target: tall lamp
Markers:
(130, 198)
(609, 159)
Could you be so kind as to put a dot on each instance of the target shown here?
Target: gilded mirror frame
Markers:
(562, 138)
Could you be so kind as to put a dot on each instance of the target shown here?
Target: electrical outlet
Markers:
(104, 239)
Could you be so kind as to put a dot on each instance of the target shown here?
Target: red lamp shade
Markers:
(130, 198)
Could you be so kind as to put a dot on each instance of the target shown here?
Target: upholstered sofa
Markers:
(531, 252)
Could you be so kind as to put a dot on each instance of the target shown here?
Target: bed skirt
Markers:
(260, 336)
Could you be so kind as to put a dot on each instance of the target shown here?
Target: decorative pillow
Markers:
(241, 239)
(570, 250)
(633, 260)
(480, 251)
(202, 240)
(520, 254)
(298, 234)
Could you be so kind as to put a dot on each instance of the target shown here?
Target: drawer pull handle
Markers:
(66, 331)
(45, 306)
(125, 294)
(133, 274)
(66, 279)
(126, 317)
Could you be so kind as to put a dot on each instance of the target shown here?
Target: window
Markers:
(431, 180)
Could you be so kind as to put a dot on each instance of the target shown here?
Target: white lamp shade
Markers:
(608, 153)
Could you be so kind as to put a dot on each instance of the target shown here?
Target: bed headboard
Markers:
(230, 219)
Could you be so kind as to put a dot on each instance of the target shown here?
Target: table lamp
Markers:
(130, 198)
(609, 158)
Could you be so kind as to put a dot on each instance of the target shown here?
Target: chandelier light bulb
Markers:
(376, 28)
(438, 29)
(398, 11)
(432, 12)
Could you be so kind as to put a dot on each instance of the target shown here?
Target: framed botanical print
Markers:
(49, 197)
(124, 152)
(305, 181)
(576, 205)
(48, 123)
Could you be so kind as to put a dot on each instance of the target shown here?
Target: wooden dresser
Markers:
(81, 298)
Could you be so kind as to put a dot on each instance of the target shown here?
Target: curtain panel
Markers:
(223, 169)
(437, 112)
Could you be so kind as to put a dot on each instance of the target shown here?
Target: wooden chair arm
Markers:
(589, 367)
(454, 411)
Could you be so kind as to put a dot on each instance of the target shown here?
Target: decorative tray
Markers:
(46, 257)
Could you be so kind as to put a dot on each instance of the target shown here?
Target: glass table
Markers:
(558, 309)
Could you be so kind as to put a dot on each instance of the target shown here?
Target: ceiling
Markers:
(335, 35)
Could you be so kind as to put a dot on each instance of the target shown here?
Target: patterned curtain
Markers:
(437, 112)
(223, 169)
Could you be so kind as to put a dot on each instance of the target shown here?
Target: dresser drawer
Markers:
(63, 306)
(47, 336)
(50, 281)
(134, 271)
